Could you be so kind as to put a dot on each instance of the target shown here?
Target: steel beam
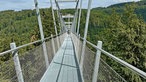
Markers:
(55, 26)
(41, 33)
(80, 12)
(17, 63)
(53, 45)
(85, 35)
(68, 16)
(97, 61)
(66, 0)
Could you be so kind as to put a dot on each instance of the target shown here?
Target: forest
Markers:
(121, 27)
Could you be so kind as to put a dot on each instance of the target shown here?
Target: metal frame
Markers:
(80, 12)
(75, 19)
(42, 34)
(129, 66)
(68, 16)
(55, 26)
(8, 51)
(85, 35)
(97, 61)
(60, 17)
(66, 0)
(17, 63)
(76, 16)
(53, 45)
(25, 45)
(68, 23)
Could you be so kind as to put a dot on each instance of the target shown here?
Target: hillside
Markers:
(140, 9)
(22, 27)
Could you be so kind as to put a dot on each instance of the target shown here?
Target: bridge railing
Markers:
(32, 62)
(106, 73)
(100, 72)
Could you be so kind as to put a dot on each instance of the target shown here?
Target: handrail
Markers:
(129, 66)
(8, 51)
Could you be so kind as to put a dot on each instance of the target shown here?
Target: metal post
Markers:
(97, 61)
(79, 36)
(17, 63)
(68, 24)
(58, 18)
(61, 24)
(52, 40)
(76, 21)
(78, 44)
(42, 34)
(79, 17)
(73, 26)
(61, 20)
(79, 51)
(60, 28)
(85, 35)
(73, 23)
(55, 24)
(76, 17)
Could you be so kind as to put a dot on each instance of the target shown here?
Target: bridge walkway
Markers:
(64, 66)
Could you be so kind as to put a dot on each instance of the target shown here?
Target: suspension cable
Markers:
(60, 17)
(73, 27)
(55, 26)
(80, 12)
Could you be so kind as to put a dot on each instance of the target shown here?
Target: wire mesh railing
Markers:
(123, 65)
(105, 74)
(32, 62)
(7, 73)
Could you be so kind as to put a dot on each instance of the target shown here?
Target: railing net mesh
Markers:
(106, 73)
(32, 63)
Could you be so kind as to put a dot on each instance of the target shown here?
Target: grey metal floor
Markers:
(64, 66)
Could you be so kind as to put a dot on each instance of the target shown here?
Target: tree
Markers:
(126, 38)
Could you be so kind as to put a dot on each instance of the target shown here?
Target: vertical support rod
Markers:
(79, 17)
(79, 46)
(55, 24)
(74, 23)
(76, 16)
(42, 34)
(61, 24)
(85, 35)
(97, 61)
(52, 40)
(60, 17)
(68, 24)
(17, 63)
(73, 26)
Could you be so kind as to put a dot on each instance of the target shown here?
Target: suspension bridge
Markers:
(64, 57)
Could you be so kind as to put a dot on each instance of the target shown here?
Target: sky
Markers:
(29, 4)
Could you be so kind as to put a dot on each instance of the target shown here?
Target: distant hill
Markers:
(140, 10)
(139, 3)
